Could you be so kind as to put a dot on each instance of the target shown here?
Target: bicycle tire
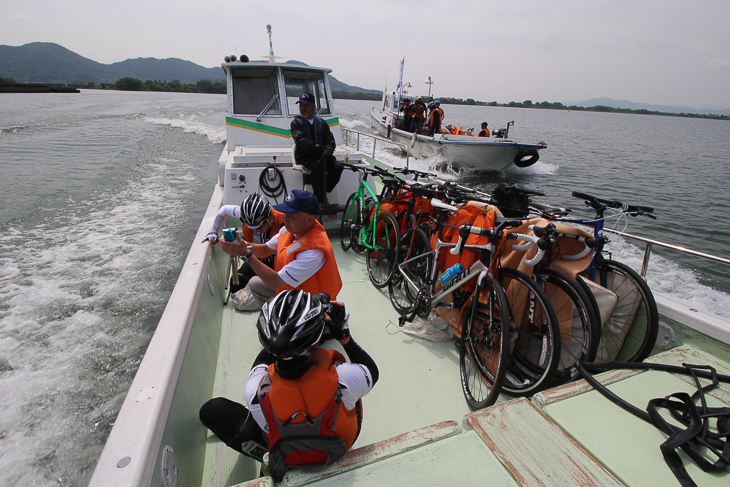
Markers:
(382, 259)
(484, 350)
(633, 292)
(580, 331)
(535, 355)
(351, 222)
(413, 243)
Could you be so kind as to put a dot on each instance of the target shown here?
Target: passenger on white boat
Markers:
(484, 132)
(259, 223)
(435, 118)
(295, 388)
(407, 115)
(304, 256)
(419, 114)
(315, 146)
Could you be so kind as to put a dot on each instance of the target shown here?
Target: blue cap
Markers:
(306, 97)
(299, 200)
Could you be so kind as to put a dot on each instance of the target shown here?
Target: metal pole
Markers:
(645, 263)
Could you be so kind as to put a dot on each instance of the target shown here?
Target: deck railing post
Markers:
(645, 263)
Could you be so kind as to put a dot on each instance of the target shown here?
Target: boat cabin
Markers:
(262, 100)
(261, 104)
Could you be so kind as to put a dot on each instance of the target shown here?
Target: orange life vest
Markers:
(483, 133)
(312, 394)
(465, 214)
(455, 131)
(277, 221)
(327, 279)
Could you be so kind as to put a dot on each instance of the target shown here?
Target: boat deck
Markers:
(418, 429)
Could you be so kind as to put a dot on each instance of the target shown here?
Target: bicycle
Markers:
(371, 230)
(629, 333)
(496, 320)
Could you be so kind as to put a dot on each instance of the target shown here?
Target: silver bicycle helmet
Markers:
(255, 209)
(292, 323)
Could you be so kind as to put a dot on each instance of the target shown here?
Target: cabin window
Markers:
(298, 81)
(254, 90)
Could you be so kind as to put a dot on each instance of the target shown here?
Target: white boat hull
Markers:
(485, 154)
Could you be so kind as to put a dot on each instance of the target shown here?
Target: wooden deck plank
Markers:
(360, 457)
(625, 444)
(461, 459)
(534, 449)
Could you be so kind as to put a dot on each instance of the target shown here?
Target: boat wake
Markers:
(190, 124)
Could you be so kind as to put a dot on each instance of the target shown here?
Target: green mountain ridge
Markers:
(47, 62)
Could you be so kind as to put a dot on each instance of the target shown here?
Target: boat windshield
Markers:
(254, 90)
(299, 80)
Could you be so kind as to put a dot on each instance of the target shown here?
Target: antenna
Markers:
(271, 57)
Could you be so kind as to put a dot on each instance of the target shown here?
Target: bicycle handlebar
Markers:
(417, 174)
(367, 170)
(597, 203)
(497, 233)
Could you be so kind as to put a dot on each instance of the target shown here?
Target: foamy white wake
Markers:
(191, 124)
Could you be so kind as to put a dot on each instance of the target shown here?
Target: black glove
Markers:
(338, 325)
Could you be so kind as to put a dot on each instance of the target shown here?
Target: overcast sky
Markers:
(663, 52)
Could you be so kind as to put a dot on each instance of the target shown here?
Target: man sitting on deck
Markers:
(315, 145)
(296, 388)
(304, 256)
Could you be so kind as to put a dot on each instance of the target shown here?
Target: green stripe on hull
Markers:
(269, 129)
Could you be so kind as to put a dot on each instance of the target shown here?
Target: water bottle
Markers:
(453, 272)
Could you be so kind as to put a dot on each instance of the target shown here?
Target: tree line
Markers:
(219, 86)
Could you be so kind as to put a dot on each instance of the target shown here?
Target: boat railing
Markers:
(361, 138)
(650, 243)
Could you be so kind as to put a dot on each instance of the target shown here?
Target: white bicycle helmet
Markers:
(255, 209)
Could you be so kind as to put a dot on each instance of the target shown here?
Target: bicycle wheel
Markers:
(351, 222)
(415, 248)
(383, 257)
(579, 329)
(536, 335)
(484, 350)
(630, 332)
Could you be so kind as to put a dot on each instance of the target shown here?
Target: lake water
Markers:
(103, 191)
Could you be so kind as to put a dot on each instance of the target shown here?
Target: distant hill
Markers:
(46, 62)
(609, 102)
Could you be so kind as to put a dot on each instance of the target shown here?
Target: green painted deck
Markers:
(418, 429)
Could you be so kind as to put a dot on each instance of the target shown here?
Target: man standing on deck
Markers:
(304, 256)
(419, 112)
(315, 145)
(434, 117)
(304, 402)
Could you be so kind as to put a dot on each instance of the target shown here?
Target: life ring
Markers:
(526, 157)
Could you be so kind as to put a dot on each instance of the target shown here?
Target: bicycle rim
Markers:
(579, 330)
(403, 294)
(536, 335)
(484, 351)
(630, 332)
(351, 222)
(383, 257)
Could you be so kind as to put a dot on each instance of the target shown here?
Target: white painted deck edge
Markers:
(711, 325)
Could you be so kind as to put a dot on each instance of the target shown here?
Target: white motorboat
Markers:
(483, 153)
(418, 430)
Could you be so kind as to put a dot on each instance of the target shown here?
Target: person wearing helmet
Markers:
(304, 255)
(259, 224)
(297, 388)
